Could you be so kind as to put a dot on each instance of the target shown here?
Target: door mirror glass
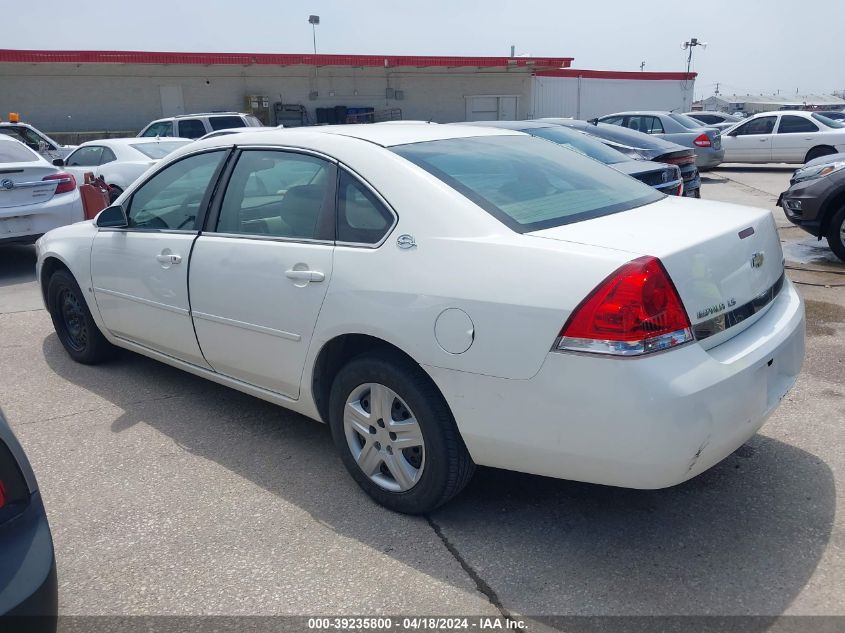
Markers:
(112, 217)
(59, 162)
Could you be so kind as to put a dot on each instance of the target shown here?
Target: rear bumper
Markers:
(708, 157)
(649, 422)
(26, 223)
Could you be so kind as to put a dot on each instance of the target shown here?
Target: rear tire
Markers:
(818, 152)
(836, 234)
(434, 469)
(73, 322)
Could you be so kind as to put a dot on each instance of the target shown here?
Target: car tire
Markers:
(73, 322)
(836, 234)
(818, 152)
(437, 470)
(114, 193)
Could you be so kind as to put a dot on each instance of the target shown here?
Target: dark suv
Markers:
(815, 200)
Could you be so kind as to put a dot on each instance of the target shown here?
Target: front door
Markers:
(140, 273)
(751, 142)
(260, 271)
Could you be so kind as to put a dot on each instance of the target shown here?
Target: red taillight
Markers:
(635, 310)
(2, 493)
(680, 190)
(66, 181)
(702, 141)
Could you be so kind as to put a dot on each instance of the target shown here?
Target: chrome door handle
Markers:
(169, 259)
(305, 275)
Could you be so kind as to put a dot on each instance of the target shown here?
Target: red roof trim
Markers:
(613, 74)
(245, 59)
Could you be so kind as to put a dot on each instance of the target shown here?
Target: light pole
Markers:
(693, 42)
(314, 20)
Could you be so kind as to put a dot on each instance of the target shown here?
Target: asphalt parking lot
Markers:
(168, 494)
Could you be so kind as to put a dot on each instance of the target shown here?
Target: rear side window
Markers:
(11, 152)
(646, 124)
(527, 183)
(795, 124)
(225, 122)
(361, 217)
(108, 156)
(828, 121)
(707, 118)
(191, 128)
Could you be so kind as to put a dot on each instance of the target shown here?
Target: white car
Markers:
(119, 161)
(35, 196)
(195, 126)
(790, 136)
(444, 296)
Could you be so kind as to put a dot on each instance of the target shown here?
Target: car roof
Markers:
(639, 112)
(134, 140)
(510, 125)
(621, 135)
(383, 135)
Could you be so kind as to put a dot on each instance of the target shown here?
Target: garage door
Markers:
(491, 108)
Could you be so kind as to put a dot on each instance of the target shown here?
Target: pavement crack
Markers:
(480, 584)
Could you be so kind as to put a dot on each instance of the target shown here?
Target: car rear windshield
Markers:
(158, 150)
(687, 121)
(827, 121)
(527, 183)
(579, 142)
(12, 152)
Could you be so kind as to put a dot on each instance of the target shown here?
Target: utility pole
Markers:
(642, 66)
(691, 44)
(717, 88)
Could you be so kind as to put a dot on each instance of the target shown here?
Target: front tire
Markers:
(396, 435)
(73, 322)
(836, 234)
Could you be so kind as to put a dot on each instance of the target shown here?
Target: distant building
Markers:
(752, 104)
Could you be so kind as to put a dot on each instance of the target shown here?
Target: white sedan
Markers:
(444, 296)
(119, 161)
(34, 196)
(790, 136)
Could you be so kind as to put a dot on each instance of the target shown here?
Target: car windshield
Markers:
(827, 121)
(158, 150)
(579, 142)
(527, 183)
(686, 121)
(13, 152)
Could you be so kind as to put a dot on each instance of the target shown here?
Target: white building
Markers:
(752, 104)
(109, 91)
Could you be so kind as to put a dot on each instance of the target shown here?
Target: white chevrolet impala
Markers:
(444, 296)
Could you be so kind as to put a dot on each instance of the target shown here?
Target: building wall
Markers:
(104, 97)
(562, 97)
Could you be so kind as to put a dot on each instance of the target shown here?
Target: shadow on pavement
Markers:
(17, 264)
(743, 538)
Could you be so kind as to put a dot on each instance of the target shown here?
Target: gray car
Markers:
(711, 118)
(664, 178)
(678, 128)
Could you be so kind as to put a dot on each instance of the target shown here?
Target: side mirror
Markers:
(112, 217)
(59, 162)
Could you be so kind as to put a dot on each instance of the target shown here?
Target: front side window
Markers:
(171, 199)
(85, 157)
(763, 125)
(162, 128)
(527, 183)
(191, 128)
(278, 194)
(225, 122)
(612, 120)
(361, 217)
(790, 124)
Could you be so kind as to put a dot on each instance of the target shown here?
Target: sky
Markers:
(753, 46)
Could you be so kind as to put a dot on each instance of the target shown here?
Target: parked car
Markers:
(196, 125)
(28, 585)
(711, 118)
(677, 128)
(35, 196)
(815, 200)
(444, 296)
(791, 136)
(664, 178)
(119, 161)
(35, 139)
(639, 146)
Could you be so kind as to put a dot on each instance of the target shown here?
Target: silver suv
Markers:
(197, 125)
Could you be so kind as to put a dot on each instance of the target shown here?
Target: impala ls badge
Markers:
(757, 259)
(7, 184)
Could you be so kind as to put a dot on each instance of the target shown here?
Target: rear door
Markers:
(260, 271)
(140, 273)
(751, 142)
(794, 137)
(191, 128)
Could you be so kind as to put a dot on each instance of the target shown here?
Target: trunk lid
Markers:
(23, 185)
(725, 260)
